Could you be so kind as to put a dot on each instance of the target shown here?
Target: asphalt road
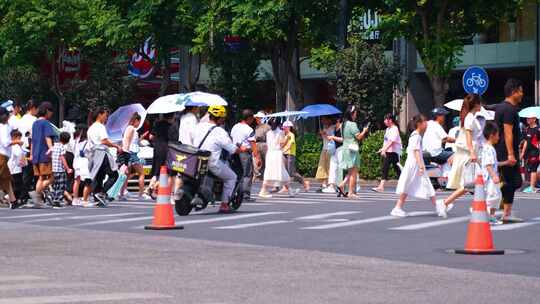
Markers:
(314, 248)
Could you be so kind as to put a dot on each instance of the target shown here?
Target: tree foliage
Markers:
(365, 77)
(438, 29)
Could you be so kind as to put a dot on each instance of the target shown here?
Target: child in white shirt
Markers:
(490, 170)
(15, 163)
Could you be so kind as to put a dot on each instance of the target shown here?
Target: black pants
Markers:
(512, 181)
(391, 159)
(28, 179)
(18, 186)
(246, 163)
(104, 170)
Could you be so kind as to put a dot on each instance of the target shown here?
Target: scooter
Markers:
(200, 187)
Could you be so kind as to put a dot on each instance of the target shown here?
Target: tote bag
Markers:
(469, 175)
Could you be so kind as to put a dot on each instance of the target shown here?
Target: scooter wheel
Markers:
(236, 201)
(183, 206)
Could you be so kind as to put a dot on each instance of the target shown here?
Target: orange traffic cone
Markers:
(163, 212)
(479, 238)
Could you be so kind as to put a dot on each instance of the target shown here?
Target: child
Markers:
(289, 152)
(16, 162)
(60, 169)
(530, 152)
(413, 180)
(490, 170)
(82, 172)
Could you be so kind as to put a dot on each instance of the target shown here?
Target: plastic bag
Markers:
(469, 175)
(117, 187)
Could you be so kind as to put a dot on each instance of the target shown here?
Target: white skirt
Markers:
(275, 171)
(413, 184)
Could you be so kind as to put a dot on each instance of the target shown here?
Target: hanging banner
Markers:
(141, 63)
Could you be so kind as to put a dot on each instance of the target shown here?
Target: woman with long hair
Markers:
(351, 149)
(468, 146)
(328, 150)
(160, 136)
(390, 151)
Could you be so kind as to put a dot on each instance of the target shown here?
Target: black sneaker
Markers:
(101, 200)
(16, 204)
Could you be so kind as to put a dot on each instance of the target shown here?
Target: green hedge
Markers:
(310, 145)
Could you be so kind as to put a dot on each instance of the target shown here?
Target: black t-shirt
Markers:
(506, 113)
(532, 136)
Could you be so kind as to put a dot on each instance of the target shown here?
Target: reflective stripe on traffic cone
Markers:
(479, 238)
(163, 212)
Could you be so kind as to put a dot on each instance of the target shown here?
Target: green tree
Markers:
(438, 29)
(365, 77)
(20, 83)
(280, 30)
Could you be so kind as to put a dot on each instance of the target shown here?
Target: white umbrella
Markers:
(295, 115)
(456, 105)
(167, 104)
(202, 99)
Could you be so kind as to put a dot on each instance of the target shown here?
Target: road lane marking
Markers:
(432, 224)
(32, 215)
(81, 217)
(506, 227)
(224, 218)
(28, 286)
(325, 215)
(364, 221)
(18, 278)
(440, 222)
(241, 226)
(277, 200)
(88, 298)
(132, 219)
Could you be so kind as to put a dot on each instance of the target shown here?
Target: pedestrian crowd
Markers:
(43, 166)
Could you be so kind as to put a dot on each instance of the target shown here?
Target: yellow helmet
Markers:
(218, 111)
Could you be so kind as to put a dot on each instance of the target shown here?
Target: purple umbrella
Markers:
(119, 120)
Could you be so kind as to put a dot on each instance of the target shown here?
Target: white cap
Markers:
(8, 105)
(288, 123)
(259, 114)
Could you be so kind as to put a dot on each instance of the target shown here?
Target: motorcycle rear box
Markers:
(188, 160)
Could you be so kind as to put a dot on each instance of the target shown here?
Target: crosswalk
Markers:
(307, 212)
(44, 290)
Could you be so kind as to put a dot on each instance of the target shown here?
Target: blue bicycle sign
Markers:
(475, 80)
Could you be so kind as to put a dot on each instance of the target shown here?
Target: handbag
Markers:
(331, 147)
(469, 175)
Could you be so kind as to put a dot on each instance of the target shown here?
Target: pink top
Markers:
(392, 134)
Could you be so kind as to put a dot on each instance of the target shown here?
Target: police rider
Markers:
(435, 137)
(215, 139)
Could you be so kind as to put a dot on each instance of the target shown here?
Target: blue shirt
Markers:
(41, 129)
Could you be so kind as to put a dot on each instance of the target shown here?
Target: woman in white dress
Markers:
(468, 147)
(414, 180)
(275, 172)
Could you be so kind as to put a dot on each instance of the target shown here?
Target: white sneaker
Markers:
(76, 202)
(398, 212)
(329, 189)
(449, 207)
(87, 204)
(265, 195)
(441, 208)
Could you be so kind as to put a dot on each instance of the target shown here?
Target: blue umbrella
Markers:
(530, 112)
(320, 110)
(119, 120)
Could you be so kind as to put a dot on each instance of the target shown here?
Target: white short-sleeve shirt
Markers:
(217, 140)
(16, 161)
(475, 126)
(489, 157)
(415, 143)
(242, 134)
(96, 133)
(188, 123)
(433, 137)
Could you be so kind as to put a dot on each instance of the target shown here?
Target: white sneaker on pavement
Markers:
(293, 193)
(441, 208)
(329, 189)
(265, 195)
(398, 212)
(449, 207)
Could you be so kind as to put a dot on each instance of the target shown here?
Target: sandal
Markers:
(341, 192)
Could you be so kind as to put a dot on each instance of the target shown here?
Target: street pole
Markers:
(343, 23)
